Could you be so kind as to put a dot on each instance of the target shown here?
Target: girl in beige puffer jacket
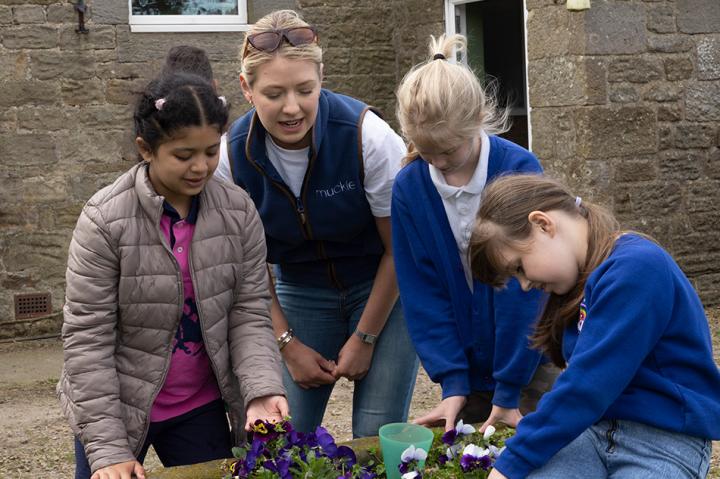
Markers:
(166, 318)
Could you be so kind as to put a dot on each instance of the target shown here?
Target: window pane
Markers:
(184, 7)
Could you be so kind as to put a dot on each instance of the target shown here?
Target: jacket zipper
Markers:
(299, 204)
(202, 323)
(166, 368)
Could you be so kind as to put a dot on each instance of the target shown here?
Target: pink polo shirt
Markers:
(190, 382)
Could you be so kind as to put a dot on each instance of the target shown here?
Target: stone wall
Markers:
(626, 103)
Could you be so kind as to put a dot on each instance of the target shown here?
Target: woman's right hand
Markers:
(308, 368)
(123, 470)
(447, 412)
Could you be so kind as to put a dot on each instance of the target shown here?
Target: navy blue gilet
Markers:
(327, 236)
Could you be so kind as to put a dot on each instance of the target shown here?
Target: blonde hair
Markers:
(441, 102)
(251, 58)
(502, 220)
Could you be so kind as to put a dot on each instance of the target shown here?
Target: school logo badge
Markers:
(583, 315)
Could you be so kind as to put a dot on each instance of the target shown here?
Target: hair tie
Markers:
(222, 100)
(439, 56)
(159, 104)
(578, 202)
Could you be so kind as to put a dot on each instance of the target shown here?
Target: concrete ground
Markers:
(36, 441)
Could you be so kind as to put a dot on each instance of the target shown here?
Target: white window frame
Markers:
(451, 30)
(189, 23)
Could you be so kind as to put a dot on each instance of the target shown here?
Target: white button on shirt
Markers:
(462, 202)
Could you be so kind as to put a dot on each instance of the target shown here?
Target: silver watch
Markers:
(365, 337)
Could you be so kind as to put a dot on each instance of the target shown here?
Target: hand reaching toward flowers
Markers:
(447, 410)
(495, 474)
(354, 359)
(510, 417)
(123, 470)
(266, 408)
(308, 368)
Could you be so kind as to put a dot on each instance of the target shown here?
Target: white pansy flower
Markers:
(410, 475)
(475, 451)
(463, 428)
(489, 432)
(413, 453)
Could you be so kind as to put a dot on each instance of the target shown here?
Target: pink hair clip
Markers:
(223, 100)
(159, 103)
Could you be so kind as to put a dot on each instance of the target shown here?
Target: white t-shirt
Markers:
(462, 202)
(382, 148)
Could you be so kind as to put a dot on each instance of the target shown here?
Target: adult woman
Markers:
(319, 167)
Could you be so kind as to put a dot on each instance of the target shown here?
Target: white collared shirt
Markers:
(462, 202)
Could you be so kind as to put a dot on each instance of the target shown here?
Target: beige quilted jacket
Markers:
(124, 300)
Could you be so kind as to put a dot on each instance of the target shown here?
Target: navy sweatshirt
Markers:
(642, 353)
(467, 340)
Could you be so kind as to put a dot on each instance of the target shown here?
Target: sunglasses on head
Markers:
(271, 40)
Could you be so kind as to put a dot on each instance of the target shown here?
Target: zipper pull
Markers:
(300, 209)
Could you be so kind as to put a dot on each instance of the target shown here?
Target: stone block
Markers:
(708, 57)
(61, 13)
(126, 71)
(100, 37)
(652, 199)
(698, 16)
(629, 170)
(554, 133)
(46, 252)
(49, 65)
(661, 19)
(152, 47)
(123, 92)
(702, 101)
(712, 167)
(662, 92)
(708, 287)
(702, 196)
(616, 131)
(82, 92)
(368, 61)
(5, 15)
(670, 113)
(259, 8)
(623, 93)
(697, 264)
(695, 135)
(8, 120)
(13, 66)
(28, 14)
(678, 68)
(94, 150)
(30, 37)
(44, 119)
(681, 165)
(551, 33)
(106, 117)
(110, 12)
(635, 70)
(567, 81)
(706, 221)
(29, 92)
(669, 43)
(615, 27)
(21, 150)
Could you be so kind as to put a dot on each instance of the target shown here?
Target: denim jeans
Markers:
(324, 319)
(629, 450)
(200, 435)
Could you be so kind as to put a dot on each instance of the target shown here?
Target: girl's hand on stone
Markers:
(510, 417)
(354, 359)
(123, 470)
(447, 412)
(266, 408)
(308, 368)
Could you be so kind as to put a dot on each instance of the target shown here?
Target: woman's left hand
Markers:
(354, 359)
(510, 417)
(267, 408)
(495, 474)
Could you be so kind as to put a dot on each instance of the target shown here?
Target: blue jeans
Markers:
(200, 435)
(629, 450)
(323, 319)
